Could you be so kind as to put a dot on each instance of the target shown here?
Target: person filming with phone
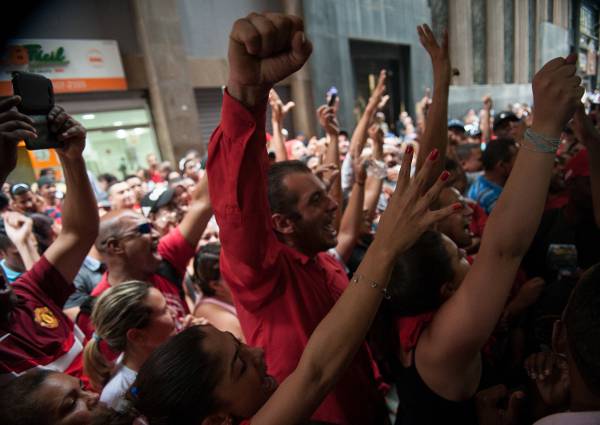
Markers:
(33, 329)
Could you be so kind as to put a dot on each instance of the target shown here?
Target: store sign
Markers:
(74, 66)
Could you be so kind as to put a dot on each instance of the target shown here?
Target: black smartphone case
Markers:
(37, 99)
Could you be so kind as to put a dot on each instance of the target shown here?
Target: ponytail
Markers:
(95, 365)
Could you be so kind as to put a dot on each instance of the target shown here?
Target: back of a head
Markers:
(176, 383)
(497, 150)
(418, 276)
(206, 267)
(463, 152)
(17, 400)
(582, 321)
(282, 200)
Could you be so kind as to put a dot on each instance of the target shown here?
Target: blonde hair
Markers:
(117, 310)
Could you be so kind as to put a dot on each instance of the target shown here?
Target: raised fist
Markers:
(264, 49)
(556, 93)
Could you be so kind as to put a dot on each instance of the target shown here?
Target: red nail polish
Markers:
(409, 149)
(445, 176)
(434, 154)
(457, 207)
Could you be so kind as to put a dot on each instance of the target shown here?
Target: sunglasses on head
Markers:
(19, 188)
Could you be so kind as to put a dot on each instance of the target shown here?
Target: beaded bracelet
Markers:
(372, 283)
(540, 142)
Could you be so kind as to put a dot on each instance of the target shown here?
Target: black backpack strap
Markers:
(169, 272)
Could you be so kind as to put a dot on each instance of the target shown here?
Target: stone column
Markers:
(521, 41)
(172, 99)
(304, 114)
(461, 50)
(561, 13)
(495, 42)
(509, 41)
(541, 15)
(439, 17)
(479, 18)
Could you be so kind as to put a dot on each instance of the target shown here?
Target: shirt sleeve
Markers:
(45, 278)
(237, 176)
(175, 249)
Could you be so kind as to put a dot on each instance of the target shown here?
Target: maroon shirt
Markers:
(281, 295)
(38, 334)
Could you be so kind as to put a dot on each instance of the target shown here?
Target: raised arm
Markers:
(436, 128)
(19, 230)
(80, 212)
(352, 218)
(485, 118)
(328, 121)
(374, 182)
(14, 126)
(199, 213)
(278, 113)
(334, 342)
(590, 136)
(359, 137)
(464, 323)
(263, 49)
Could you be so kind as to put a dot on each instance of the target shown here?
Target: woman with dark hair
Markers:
(216, 302)
(444, 311)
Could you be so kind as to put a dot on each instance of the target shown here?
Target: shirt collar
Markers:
(91, 263)
(297, 255)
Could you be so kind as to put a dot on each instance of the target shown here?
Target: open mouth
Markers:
(330, 229)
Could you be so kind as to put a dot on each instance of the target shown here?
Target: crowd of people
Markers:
(435, 271)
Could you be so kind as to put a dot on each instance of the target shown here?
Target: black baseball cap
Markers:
(45, 180)
(503, 117)
(156, 199)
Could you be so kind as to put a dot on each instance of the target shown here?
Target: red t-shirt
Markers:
(280, 294)
(38, 334)
(177, 251)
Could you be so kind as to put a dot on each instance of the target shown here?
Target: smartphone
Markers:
(37, 99)
(331, 96)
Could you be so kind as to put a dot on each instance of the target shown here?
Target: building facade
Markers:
(174, 67)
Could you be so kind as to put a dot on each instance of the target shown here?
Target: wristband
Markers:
(540, 143)
(372, 283)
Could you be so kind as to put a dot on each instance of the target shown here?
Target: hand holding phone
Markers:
(332, 94)
(37, 100)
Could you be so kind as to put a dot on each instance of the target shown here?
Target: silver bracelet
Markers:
(540, 143)
(357, 276)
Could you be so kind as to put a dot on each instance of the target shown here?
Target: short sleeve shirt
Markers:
(38, 334)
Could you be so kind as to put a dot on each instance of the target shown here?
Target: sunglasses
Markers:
(143, 228)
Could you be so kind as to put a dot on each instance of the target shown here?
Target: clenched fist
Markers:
(264, 49)
(556, 93)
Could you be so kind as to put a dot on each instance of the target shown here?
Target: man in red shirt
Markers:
(274, 256)
(34, 332)
(132, 250)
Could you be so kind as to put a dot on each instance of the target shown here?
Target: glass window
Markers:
(118, 141)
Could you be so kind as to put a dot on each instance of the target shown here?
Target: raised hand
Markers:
(69, 131)
(551, 375)
(14, 127)
(584, 128)
(377, 96)
(488, 407)
(328, 120)
(557, 92)
(264, 49)
(440, 58)
(18, 227)
(408, 215)
(278, 109)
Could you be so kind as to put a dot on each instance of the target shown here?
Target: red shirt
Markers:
(280, 294)
(177, 251)
(38, 334)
